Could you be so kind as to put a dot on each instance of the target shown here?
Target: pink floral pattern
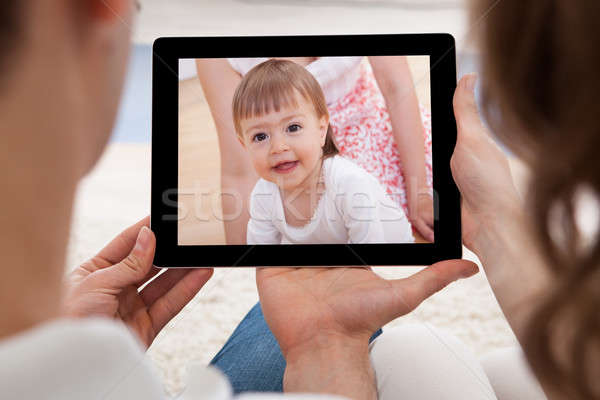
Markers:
(363, 131)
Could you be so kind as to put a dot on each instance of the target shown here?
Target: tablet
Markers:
(304, 151)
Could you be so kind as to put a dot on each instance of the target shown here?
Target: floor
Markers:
(287, 17)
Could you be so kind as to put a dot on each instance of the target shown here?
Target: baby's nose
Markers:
(278, 144)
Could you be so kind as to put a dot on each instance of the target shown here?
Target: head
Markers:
(62, 68)
(62, 72)
(281, 118)
(540, 65)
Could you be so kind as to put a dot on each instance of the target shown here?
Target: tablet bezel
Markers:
(165, 120)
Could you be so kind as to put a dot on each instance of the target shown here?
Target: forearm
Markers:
(407, 129)
(513, 265)
(340, 367)
(395, 80)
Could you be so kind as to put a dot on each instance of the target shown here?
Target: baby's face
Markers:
(285, 146)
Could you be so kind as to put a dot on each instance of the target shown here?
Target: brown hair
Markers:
(541, 94)
(274, 84)
(10, 24)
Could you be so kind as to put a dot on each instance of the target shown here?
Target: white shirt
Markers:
(97, 359)
(336, 75)
(354, 208)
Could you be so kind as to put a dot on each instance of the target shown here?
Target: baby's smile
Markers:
(285, 167)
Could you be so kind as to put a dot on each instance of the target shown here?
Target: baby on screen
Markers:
(307, 193)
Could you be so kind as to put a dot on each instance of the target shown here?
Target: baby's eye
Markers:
(294, 128)
(259, 137)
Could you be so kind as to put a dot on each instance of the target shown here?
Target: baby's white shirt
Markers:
(354, 208)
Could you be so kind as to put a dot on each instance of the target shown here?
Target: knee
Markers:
(521, 383)
(408, 359)
(406, 347)
(406, 339)
(422, 343)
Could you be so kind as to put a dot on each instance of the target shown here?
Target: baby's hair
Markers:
(273, 85)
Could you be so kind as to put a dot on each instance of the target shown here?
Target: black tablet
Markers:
(304, 151)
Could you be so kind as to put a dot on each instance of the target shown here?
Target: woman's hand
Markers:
(395, 80)
(108, 285)
(421, 215)
(493, 220)
(480, 169)
(323, 318)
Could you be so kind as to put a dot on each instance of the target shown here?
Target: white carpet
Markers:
(117, 194)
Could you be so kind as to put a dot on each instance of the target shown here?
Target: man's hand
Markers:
(108, 285)
(323, 318)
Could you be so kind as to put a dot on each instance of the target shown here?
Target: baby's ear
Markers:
(324, 127)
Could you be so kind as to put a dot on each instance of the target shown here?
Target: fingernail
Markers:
(143, 240)
(471, 271)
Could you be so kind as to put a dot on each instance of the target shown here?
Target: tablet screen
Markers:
(305, 150)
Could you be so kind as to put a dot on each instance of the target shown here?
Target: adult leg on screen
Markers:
(251, 357)
(510, 375)
(421, 362)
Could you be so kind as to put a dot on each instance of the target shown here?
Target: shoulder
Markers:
(263, 196)
(95, 337)
(77, 359)
(263, 187)
(351, 185)
(343, 172)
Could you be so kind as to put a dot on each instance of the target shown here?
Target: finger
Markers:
(173, 301)
(424, 229)
(428, 218)
(430, 226)
(120, 246)
(162, 284)
(468, 121)
(154, 270)
(134, 267)
(412, 291)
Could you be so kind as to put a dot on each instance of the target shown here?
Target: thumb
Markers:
(133, 268)
(413, 290)
(465, 108)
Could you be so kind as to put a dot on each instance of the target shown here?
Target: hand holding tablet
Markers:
(336, 175)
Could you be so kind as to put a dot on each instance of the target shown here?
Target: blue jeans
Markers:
(251, 357)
